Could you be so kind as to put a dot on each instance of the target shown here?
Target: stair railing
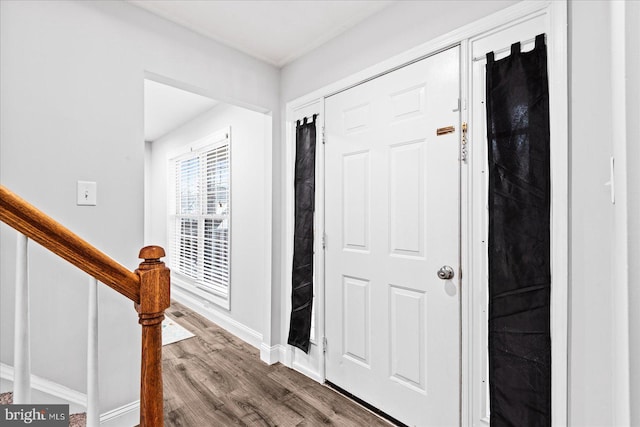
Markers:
(147, 287)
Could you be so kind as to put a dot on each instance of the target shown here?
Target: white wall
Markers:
(393, 30)
(71, 79)
(633, 199)
(248, 202)
(594, 353)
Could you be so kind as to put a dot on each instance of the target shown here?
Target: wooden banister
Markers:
(41, 228)
(148, 287)
(154, 291)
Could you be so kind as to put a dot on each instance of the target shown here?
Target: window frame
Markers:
(194, 286)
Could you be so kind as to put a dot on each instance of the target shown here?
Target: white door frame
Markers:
(558, 103)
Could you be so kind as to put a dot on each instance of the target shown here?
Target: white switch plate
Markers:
(87, 193)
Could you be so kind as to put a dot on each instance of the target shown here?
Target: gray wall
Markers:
(71, 79)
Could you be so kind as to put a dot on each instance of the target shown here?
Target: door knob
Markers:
(445, 272)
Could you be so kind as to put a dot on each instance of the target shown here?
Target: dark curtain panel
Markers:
(519, 238)
(302, 279)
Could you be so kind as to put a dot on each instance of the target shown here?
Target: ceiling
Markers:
(166, 108)
(275, 31)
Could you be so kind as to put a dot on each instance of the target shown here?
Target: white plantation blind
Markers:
(200, 226)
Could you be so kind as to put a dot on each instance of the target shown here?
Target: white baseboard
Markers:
(286, 357)
(272, 354)
(307, 372)
(127, 415)
(49, 387)
(206, 309)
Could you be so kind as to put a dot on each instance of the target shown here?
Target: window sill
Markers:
(189, 286)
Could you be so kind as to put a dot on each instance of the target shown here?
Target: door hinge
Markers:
(324, 137)
(324, 241)
(324, 344)
(464, 149)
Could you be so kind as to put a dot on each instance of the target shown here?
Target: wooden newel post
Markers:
(154, 300)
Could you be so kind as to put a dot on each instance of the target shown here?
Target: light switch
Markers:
(87, 193)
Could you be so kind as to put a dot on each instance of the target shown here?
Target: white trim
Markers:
(465, 262)
(209, 311)
(308, 372)
(559, 129)
(287, 243)
(184, 283)
(47, 386)
(271, 354)
(268, 321)
(314, 360)
(555, 16)
(126, 415)
(428, 48)
(214, 139)
(474, 281)
(287, 357)
(93, 374)
(209, 143)
(620, 254)
(557, 53)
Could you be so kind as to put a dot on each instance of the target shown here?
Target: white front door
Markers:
(392, 221)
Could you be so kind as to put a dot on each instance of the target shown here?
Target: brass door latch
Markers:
(464, 148)
(445, 130)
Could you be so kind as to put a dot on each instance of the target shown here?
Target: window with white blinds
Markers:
(200, 226)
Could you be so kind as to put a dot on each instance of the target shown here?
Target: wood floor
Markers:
(215, 379)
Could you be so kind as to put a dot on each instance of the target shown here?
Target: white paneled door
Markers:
(392, 221)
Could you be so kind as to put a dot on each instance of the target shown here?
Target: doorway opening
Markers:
(206, 200)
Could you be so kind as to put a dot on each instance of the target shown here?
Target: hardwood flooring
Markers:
(216, 379)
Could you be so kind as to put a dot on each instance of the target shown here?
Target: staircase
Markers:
(147, 287)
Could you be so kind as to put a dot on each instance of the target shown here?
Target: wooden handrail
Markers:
(39, 227)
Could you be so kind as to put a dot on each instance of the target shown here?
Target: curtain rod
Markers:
(504, 49)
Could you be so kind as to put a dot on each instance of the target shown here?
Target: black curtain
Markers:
(519, 238)
(302, 277)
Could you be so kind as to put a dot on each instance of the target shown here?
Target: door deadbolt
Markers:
(445, 272)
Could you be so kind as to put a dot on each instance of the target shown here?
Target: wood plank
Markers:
(216, 379)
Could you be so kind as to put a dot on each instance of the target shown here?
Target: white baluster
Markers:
(93, 405)
(22, 346)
